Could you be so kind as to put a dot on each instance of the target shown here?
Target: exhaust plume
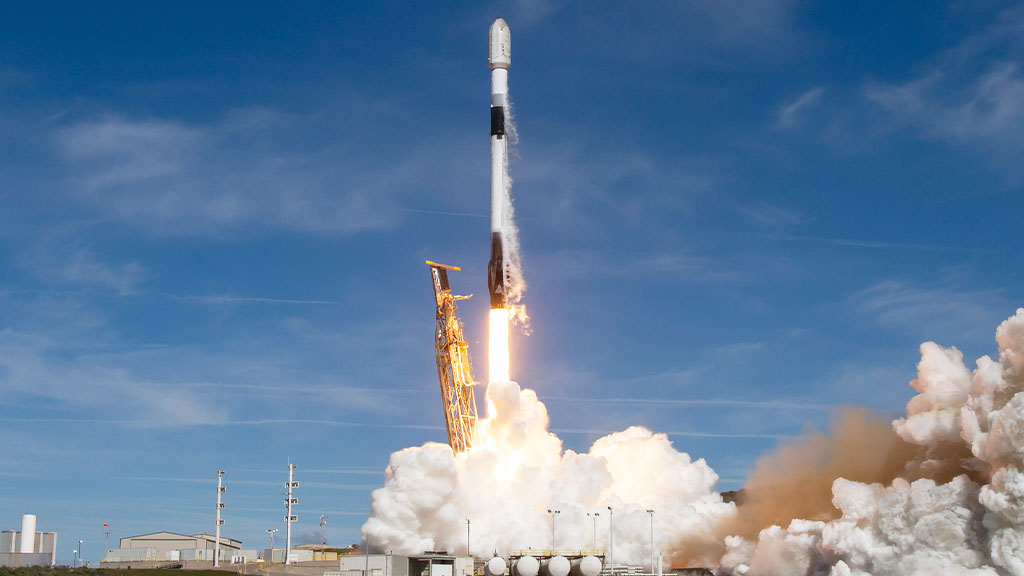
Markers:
(955, 506)
(518, 471)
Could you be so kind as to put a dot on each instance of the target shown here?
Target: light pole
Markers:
(75, 552)
(553, 514)
(323, 540)
(611, 540)
(271, 531)
(594, 515)
(467, 537)
(220, 506)
(289, 518)
(79, 552)
(651, 513)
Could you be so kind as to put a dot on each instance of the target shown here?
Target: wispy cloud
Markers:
(885, 245)
(792, 114)
(936, 310)
(971, 97)
(987, 109)
(681, 433)
(221, 299)
(771, 215)
(171, 177)
(697, 403)
(675, 266)
(63, 262)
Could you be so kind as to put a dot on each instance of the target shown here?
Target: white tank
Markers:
(555, 566)
(495, 567)
(28, 534)
(586, 566)
(526, 566)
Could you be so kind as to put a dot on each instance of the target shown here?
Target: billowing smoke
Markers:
(516, 281)
(955, 505)
(505, 486)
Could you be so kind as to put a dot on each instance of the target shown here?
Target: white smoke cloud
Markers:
(511, 254)
(506, 485)
(925, 526)
(957, 507)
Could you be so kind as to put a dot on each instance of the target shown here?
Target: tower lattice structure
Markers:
(454, 369)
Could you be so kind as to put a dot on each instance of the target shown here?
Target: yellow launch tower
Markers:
(454, 369)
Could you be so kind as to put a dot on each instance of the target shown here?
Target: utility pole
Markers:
(323, 540)
(651, 512)
(220, 506)
(289, 502)
(553, 514)
(611, 540)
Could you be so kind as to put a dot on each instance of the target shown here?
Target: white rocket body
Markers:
(499, 58)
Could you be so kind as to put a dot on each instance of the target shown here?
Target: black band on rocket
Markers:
(498, 121)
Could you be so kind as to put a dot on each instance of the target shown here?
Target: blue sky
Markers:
(735, 219)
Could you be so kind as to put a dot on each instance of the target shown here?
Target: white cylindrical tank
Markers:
(495, 567)
(28, 534)
(526, 566)
(586, 566)
(555, 566)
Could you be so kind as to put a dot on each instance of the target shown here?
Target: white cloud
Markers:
(932, 311)
(34, 366)
(174, 178)
(987, 110)
(792, 114)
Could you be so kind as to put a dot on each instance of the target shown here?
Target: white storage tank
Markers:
(526, 566)
(555, 566)
(495, 567)
(586, 566)
(28, 534)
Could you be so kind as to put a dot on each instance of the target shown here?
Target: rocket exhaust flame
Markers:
(497, 346)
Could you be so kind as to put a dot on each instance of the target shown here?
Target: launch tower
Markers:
(454, 369)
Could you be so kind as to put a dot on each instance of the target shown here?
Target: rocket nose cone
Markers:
(499, 45)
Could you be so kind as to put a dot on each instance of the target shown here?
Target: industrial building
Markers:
(159, 549)
(39, 549)
(395, 565)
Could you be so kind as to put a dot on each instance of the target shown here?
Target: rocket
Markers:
(499, 58)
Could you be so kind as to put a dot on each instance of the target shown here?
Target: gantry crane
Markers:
(454, 369)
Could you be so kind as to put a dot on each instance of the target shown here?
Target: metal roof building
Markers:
(166, 541)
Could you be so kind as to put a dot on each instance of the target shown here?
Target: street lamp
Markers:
(79, 552)
(611, 540)
(467, 537)
(271, 531)
(594, 515)
(553, 514)
(651, 512)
